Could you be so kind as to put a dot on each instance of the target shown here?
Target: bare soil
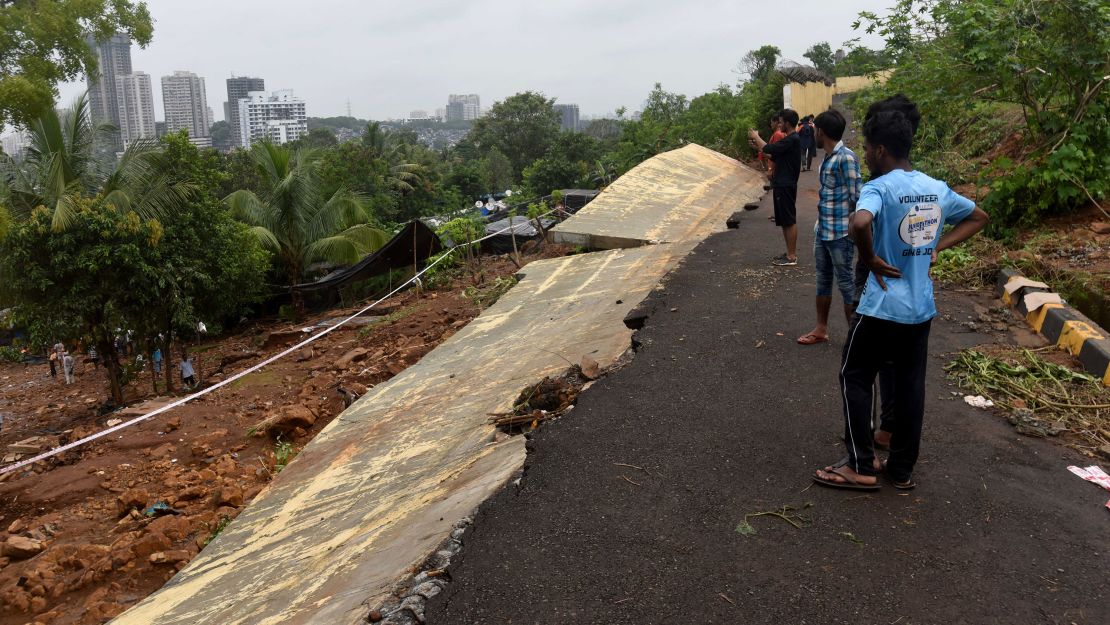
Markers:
(205, 460)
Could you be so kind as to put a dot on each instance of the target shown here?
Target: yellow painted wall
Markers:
(814, 97)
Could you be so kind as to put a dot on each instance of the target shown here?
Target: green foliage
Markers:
(443, 272)
(99, 274)
(10, 354)
(297, 219)
(521, 127)
(43, 44)
(460, 230)
(60, 168)
(487, 294)
(565, 165)
(335, 123)
(283, 453)
(220, 526)
(821, 55)
(862, 61)
(221, 136)
(759, 64)
(1048, 59)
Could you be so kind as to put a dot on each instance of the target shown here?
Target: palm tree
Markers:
(60, 166)
(404, 175)
(296, 219)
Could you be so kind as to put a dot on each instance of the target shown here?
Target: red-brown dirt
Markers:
(76, 546)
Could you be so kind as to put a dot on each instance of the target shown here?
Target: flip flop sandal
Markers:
(812, 339)
(849, 482)
(907, 485)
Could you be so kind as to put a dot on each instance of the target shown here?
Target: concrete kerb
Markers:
(1060, 324)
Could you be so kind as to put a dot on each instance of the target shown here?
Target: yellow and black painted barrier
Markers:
(1060, 324)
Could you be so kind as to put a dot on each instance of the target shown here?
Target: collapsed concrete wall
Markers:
(381, 486)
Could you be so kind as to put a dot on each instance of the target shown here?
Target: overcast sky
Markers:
(389, 58)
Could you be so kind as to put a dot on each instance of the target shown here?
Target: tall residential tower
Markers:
(186, 106)
(279, 117)
(237, 88)
(136, 107)
(463, 107)
(113, 59)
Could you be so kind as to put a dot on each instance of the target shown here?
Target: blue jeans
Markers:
(834, 259)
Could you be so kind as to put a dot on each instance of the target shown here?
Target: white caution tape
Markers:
(188, 398)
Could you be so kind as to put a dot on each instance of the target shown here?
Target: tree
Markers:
(860, 61)
(821, 55)
(319, 138)
(566, 164)
(758, 64)
(221, 136)
(521, 127)
(212, 268)
(87, 280)
(44, 43)
(498, 170)
(60, 168)
(297, 220)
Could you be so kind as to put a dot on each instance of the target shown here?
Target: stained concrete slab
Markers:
(682, 195)
(379, 488)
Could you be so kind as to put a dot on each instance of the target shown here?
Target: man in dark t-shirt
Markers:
(787, 156)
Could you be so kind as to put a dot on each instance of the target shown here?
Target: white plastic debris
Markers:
(1095, 475)
(977, 401)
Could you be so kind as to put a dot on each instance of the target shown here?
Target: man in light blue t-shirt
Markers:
(897, 229)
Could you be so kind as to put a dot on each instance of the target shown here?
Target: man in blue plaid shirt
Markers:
(832, 248)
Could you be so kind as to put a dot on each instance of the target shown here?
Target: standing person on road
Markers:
(833, 250)
(885, 417)
(787, 156)
(897, 228)
(807, 134)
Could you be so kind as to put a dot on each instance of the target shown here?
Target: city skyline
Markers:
(391, 59)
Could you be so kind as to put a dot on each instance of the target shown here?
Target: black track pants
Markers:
(903, 349)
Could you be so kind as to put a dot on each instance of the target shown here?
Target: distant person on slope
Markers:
(906, 210)
(67, 367)
(833, 249)
(188, 375)
(787, 156)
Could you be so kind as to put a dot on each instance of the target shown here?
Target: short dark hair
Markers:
(832, 123)
(900, 103)
(789, 116)
(890, 129)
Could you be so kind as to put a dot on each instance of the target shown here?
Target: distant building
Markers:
(237, 88)
(278, 117)
(160, 129)
(441, 114)
(419, 114)
(15, 144)
(568, 117)
(463, 107)
(186, 105)
(136, 107)
(113, 59)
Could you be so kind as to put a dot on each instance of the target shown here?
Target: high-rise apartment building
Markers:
(278, 117)
(186, 106)
(568, 117)
(113, 59)
(136, 107)
(463, 107)
(238, 87)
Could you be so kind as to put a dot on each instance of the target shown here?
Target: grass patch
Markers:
(487, 294)
(283, 453)
(258, 378)
(220, 525)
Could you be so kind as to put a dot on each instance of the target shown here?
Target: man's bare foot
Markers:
(840, 476)
(882, 438)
